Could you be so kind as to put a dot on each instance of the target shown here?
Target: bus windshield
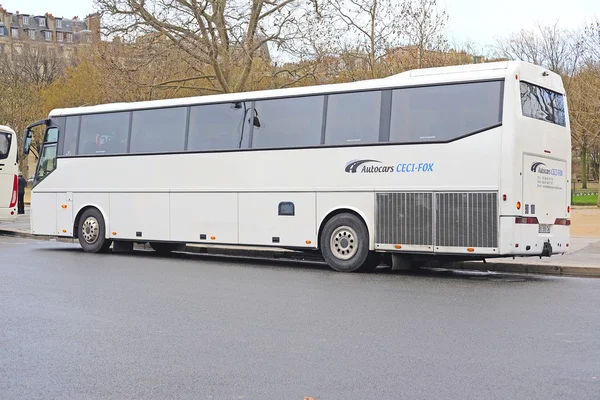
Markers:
(4, 145)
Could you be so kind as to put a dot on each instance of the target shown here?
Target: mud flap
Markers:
(547, 250)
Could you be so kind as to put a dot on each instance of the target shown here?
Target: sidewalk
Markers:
(582, 260)
(21, 225)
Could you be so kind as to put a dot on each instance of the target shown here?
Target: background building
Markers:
(17, 28)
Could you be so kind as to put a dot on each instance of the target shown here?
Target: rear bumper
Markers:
(526, 240)
(8, 214)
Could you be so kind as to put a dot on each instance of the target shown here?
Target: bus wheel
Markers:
(92, 231)
(345, 245)
(165, 248)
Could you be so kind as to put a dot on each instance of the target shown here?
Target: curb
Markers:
(13, 233)
(274, 254)
(538, 269)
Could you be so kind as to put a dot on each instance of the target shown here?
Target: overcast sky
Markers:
(480, 21)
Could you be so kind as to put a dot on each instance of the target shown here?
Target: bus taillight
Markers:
(562, 221)
(526, 220)
(15, 193)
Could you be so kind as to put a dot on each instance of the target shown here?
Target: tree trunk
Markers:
(594, 162)
(584, 167)
(598, 204)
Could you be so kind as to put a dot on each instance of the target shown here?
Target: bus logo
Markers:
(353, 165)
(539, 167)
(536, 165)
(362, 167)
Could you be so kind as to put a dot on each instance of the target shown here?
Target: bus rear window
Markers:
(543, 104)
(4, 145)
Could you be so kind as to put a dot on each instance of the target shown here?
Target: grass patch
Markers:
(585, 200)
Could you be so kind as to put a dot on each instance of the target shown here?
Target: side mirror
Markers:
(256, 122)
(27, 138)
(28, 135)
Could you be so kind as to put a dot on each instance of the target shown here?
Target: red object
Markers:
(15, 193)
(526, 220)
(562, 221)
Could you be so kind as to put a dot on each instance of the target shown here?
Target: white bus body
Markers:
(8, 174)
(446, 163)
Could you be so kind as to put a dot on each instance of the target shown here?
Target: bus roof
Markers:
(459, 73)
(4, 128)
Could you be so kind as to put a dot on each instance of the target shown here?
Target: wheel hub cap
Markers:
(344, 243)
(90, 230)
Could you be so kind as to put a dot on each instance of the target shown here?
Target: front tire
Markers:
(92, 232)
(344, 244)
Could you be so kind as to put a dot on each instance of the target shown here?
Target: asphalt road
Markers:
(83, 326)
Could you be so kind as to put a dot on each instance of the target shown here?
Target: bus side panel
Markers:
(8, 171)
(101, 201)
(64, 216)
(280, 219)
(141, 216)
(43, 213)
(362, 203)
(7, 180)
(200, 216)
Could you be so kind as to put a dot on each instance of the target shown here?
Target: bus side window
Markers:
(4, 144)
(70, 136)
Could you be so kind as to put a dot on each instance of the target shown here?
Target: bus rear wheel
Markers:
(344, 244)
(92, 232)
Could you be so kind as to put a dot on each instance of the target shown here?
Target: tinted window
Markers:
(69, 146)
(441, 113)
(51, 135)
(47, 162)
(158, 130)
(288, 122)
(4, 144)
(104, 133)
(219, 126)
(542, 104)
(353, 118)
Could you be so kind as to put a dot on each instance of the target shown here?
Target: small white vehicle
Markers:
(9, 184)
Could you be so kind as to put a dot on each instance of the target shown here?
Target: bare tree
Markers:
(424, 26)
(364, 30)
(227, 36)
(585, 98)
(584, 104)
(551, 46)
(31, 63)
(25, 69)
(592, 41)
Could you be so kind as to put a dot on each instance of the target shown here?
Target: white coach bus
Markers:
(9, 184)
(453, 163)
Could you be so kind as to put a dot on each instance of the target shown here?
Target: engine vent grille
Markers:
(405, 218)
(460, 220)
(466, 219)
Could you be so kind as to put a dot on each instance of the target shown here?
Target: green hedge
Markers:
(585, 200)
